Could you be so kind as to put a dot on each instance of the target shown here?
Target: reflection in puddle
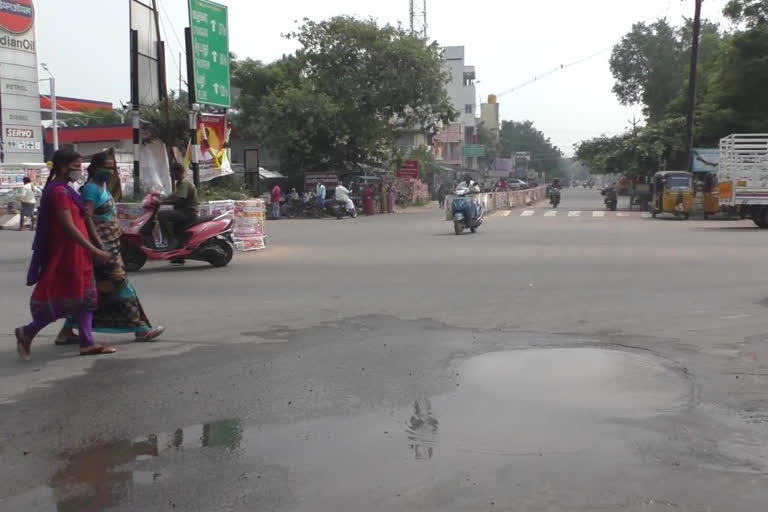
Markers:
(98, 477)
(517, 419)
(422, 430)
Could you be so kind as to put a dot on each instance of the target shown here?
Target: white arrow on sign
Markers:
(213, 25)
(216, 88)
(215, 56)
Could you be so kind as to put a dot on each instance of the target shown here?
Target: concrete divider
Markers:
(493, 201)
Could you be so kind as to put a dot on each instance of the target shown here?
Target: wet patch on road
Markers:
(507, 416)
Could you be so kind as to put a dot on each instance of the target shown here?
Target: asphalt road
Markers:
(568, 361)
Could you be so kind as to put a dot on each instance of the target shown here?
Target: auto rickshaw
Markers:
(673, 193)
(711, 199)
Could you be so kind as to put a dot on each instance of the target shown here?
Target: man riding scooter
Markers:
(185, 203)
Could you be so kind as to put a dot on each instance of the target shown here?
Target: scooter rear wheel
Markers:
(133, 258)
(222, 253)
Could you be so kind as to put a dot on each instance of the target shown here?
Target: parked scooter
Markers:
(611, 197)
(206, 239)
(467, 214)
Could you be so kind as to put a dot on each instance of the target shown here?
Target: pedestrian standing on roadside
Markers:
(368, 195)
(391, 198)
(441, 196)
(28, 202)
(119, 309)
(61, 267)
(320, 195)
(275, 201)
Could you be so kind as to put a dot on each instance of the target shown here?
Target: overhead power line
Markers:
(562, 67)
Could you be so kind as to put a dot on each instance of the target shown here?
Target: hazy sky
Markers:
(85, 43)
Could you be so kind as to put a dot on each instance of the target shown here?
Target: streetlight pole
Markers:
(690, 117)
(54, 107)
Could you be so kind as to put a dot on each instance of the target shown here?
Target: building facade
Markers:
(449, 143)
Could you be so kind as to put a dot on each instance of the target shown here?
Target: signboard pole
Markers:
(193, 108)
(135, 114)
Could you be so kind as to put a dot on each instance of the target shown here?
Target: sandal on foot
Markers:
(97, 350)
(23, 345)
(150, 335)
(73, 339)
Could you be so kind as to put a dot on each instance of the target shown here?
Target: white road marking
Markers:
(506, 213)
(574, 214)
(598, 213)
(527, 213)
(646, 215)
(622, 214)
(551, 213)
(735, 317)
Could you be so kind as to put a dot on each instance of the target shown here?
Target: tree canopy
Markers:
(342, 97)
(651, 65)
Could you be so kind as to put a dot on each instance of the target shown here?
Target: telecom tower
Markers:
(419, 18)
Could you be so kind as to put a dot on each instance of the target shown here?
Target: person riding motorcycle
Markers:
(342, 195)
(184, 202)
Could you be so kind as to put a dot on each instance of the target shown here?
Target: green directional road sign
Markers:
(209, 24)
(474, 150)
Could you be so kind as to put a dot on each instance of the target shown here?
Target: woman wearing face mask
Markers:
(119, 308)
(62, 267)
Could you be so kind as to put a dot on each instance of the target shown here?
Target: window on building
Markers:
(468, 109)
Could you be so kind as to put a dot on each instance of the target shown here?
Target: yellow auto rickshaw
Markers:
(711, 196)
(672, 193)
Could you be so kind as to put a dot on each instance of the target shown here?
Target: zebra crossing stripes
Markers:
(573, 214)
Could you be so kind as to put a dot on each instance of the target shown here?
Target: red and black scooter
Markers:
(206, 239)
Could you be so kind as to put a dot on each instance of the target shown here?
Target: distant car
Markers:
(515, 184)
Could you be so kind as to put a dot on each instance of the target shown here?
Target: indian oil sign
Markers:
(20, 125)
(16, 18)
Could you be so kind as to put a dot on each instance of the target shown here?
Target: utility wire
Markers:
(562, 67)
(175, 35)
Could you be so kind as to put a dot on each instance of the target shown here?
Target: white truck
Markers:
(743, 176)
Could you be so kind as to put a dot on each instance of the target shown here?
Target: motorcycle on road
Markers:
(554, 197)
(467, 212)
(611, 197)
(206, 239)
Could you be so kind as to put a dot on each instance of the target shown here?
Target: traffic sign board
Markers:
(209, 24)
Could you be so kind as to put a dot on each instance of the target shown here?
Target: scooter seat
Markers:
(199, 220)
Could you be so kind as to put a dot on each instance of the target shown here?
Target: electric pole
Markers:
(690, 117)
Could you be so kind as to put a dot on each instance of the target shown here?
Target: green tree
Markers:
(343, 96)
(649, 67)
(735, 99)
(523, 136)
(753, 12)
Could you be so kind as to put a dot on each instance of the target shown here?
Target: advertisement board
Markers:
(311, 179)
(12, 175)
(20, 126)
(248, 232)
(409, 170)
(213, 138)
(706, 159)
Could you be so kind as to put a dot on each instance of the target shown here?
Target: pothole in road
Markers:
(514, 415)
